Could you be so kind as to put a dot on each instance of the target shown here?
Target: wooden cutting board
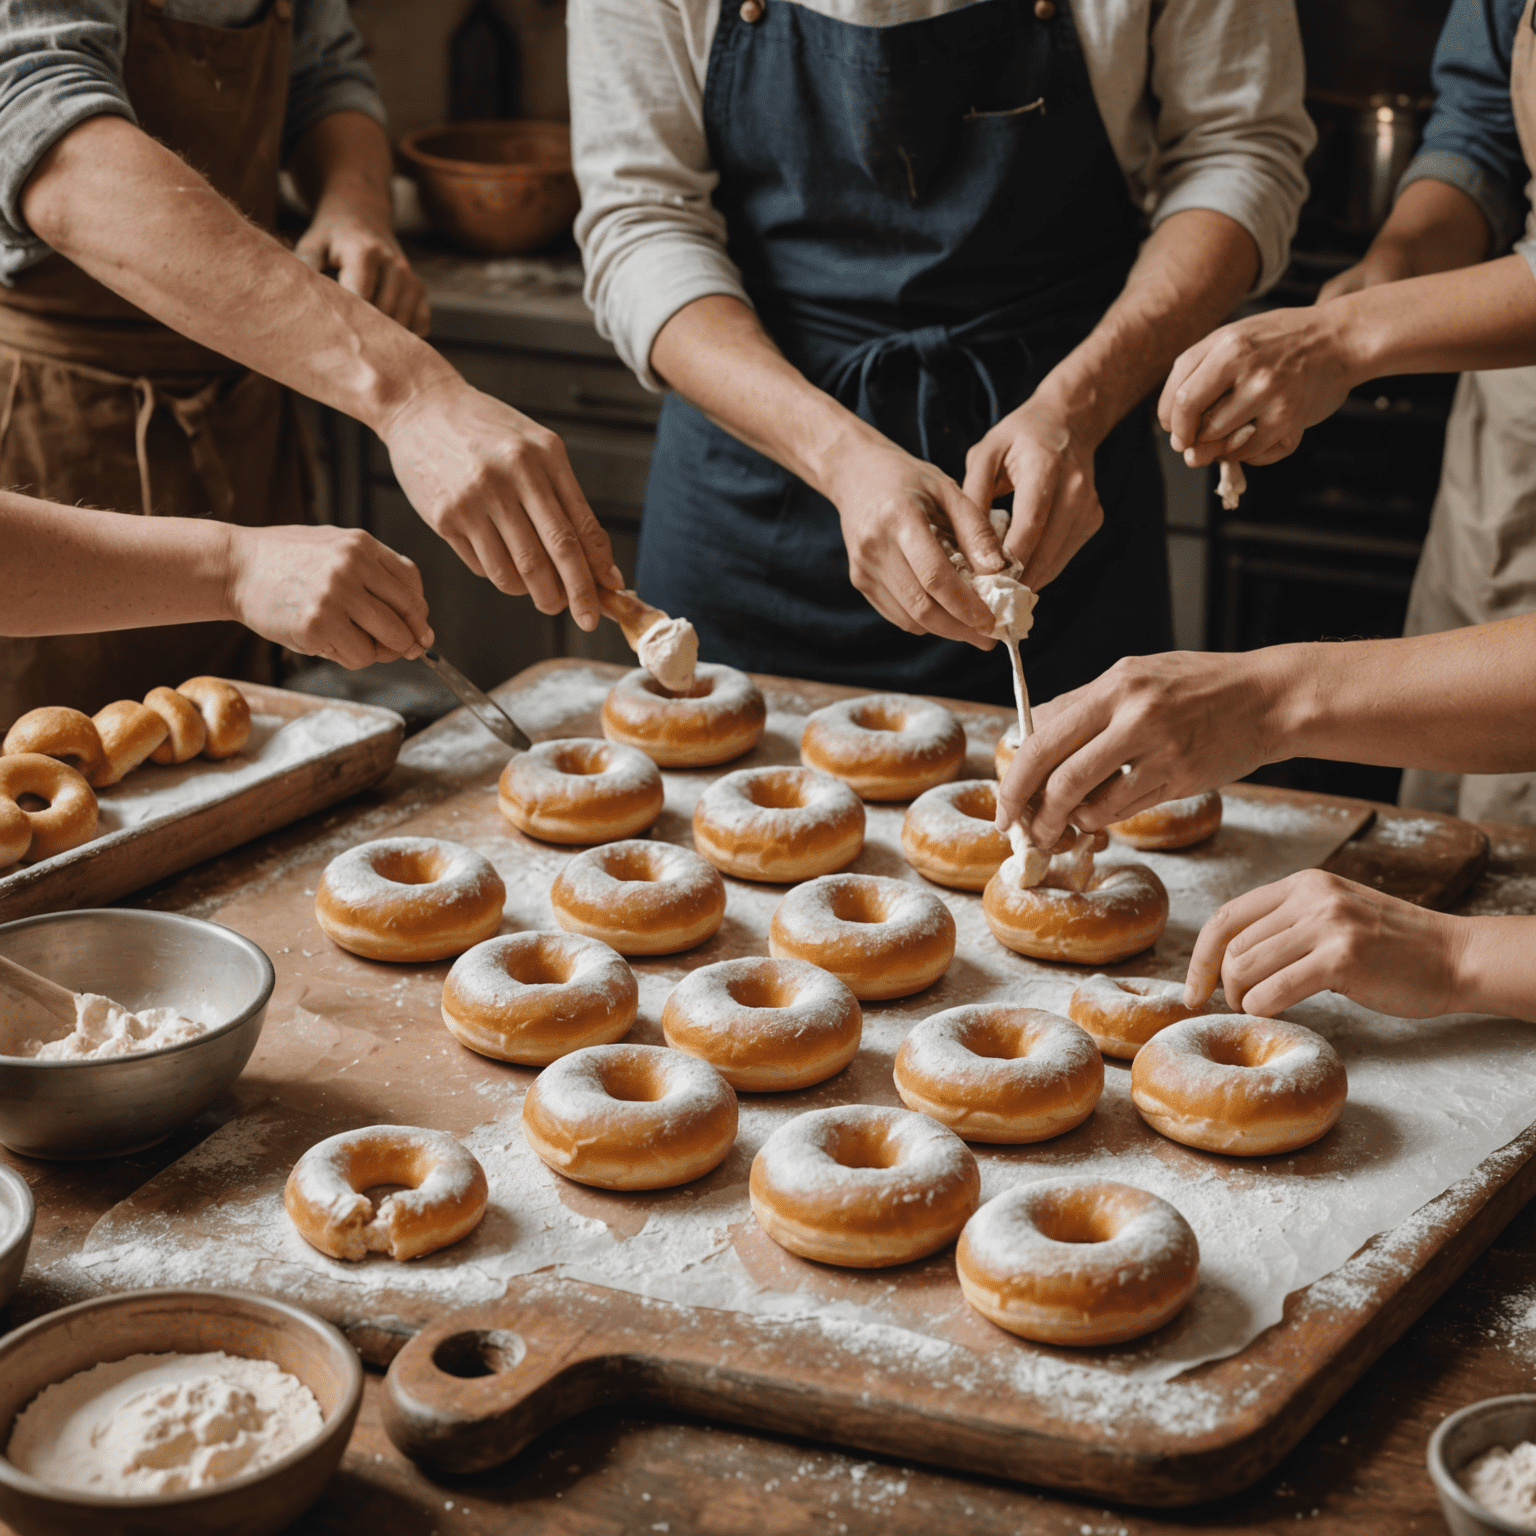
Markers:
(226, 803)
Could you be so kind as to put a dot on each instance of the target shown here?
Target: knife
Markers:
(480, 704)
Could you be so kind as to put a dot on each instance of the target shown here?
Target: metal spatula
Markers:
(485, 709)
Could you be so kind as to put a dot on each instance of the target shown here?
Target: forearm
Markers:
(345, 160)
(1495, 966)
(1433, 227)
(142, 222)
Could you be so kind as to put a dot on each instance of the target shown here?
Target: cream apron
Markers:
(102, 406)
(1479, 560)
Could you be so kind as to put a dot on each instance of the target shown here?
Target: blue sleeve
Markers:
(1470, 139)
(327, 70)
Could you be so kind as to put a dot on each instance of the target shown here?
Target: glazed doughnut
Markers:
(722, 717)
(882, 938)
(1230, 1082)
(443, 1200)
(1078, 1261)
(1123, 911)
(129, 733)
(863, 1185)
(1173, 824)
(778, 824)
(535, 997)
(948, 834)
(188, 731)
(1122, 1013)
(631, 1117)
(643, 898)
(70, 816)
(225, 712)
(58, 732)
(580, 790)
(766, 1026)
(885, 746)
(995, 1073)
(409, 898)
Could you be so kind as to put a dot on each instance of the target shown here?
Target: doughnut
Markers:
(643, 898)
(948, 834)
(580, 790)
(57, 732)
(225, 712)
(188, 731)
(1078, 1261)
(1123, 911)
(882, 938)
(69, 818)
(409, 898)
(720, 718)
(443, 1199)
(1230, 1082)
(630, 1117)
(778, 824)
(1173, 824)
(995, 1073)
(15, 834)
(535, 997)
(885, 746)
(1122, 1013)
(766, 1026)
(863, 1186)
(1003, 753)
(129, 733)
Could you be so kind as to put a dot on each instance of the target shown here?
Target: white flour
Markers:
(1503, 1481)
(104, 1028)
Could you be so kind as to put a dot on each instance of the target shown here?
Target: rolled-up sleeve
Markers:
(328, 70)
(651, 239)
(1470, 140)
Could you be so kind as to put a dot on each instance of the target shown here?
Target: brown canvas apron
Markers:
(1479, 560)
(102, 406)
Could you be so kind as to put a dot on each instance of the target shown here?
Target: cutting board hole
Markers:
(479, 1352)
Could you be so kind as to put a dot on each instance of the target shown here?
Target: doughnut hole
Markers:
(702, 687)
(782, 790)
(759, 989)
(27, 801)
(1000, 1040)
(859, 904)
(1078, 1216)
(632, 1079)
(546, 964)
(582, 759)
(878, 716)
(978, 801)
(1243, 1048)
(414, 866)
(631, 864)
(863, 1146)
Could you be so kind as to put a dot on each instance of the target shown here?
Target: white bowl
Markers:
(16, 1214)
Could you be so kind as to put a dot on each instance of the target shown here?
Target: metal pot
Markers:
(1364, 146)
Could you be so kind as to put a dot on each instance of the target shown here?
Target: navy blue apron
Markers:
(928, 217)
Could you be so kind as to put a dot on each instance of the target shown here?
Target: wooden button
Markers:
(751, 11)
(1045, 9)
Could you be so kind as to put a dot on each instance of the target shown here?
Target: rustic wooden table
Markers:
(1360, 1469)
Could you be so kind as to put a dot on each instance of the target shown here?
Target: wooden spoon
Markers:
(31, 1007)
(630, 612)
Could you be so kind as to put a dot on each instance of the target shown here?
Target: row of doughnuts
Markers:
(60, 756)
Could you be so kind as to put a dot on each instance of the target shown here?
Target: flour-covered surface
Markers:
(349, 1043)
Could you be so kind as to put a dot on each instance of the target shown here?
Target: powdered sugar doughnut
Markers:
(631, 1117)
(1003, 753)
(881, 938)
(1122, 1013)
(535, 997)
(643, 898)
(443, 1201)
(948, 834)
(778, 824)
(409, 898)
(68, 819)
(721, 717)
(1231, 1082)
(1123, 911)
(863, 1186)
(1078, 1261)
(993, 1073)
(765, 1025)
(1173, 824)
(580, 790)
(886, 746)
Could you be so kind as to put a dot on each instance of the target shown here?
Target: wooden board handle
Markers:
(630, 612)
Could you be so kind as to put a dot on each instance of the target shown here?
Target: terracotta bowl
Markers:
(181, 1322)
(495, 188)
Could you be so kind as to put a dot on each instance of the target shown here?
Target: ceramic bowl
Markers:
(78, 1109)
(495, 188)
(59, 1345)
(16, 1213)
(1463, 1437)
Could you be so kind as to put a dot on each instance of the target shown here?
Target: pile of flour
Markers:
(104, 1028)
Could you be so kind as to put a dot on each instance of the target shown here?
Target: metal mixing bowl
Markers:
(79, 1109)
(1463, 1437)
(16, 1213)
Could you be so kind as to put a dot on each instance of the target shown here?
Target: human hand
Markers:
(1184, 721)
(1282, 371)
(368, 261)
(500, 489)
(1046, 460)
(332, 592)
(887, 500)
(1316, 932)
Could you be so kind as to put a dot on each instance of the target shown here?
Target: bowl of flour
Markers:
(172, 1009)
(182, 1412)
(1483, 1462)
